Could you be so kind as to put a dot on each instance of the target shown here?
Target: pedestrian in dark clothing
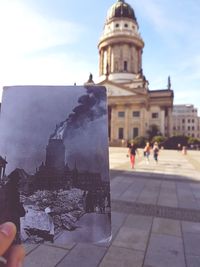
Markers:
(89, 202)
(14, 206)
(155, 151)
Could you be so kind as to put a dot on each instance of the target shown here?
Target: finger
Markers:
(7, 235)
(15, 256)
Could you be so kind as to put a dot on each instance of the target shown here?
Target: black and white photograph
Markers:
(54, 165)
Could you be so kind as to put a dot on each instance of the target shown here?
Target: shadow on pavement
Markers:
(153, 176)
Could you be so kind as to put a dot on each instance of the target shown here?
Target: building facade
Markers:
(186, 121)
(132, 107)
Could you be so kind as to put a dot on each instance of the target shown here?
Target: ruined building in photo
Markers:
(55, 172)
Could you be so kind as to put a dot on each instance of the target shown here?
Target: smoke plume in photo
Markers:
(31, 115)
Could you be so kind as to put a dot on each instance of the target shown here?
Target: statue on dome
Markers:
(90, 80)
(169, 83)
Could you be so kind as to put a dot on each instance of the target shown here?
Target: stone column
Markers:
(142, 121)
(102, 55)
(112, 124)
(131, 59)
(113, 58)
(127, 120)
(139, 59)
(101, 62)
(121, 58)
(109, 60)
(105, 58)
(135, 60)
(162, 121)
(170, 121)
(147, 117)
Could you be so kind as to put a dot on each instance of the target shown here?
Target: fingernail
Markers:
(6, 229)
(3, 260)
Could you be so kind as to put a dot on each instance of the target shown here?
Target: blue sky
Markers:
(55, 42)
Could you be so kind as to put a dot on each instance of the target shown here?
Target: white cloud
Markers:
(175, 22)
(54, 69)
(25, 33)
(187, 97)
(161, 15)
(175, 25)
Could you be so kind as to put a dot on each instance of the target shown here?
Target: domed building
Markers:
(133, 108)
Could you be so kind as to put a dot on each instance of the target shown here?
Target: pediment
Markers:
(114, 90)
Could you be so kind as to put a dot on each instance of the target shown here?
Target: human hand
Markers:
(11, 256)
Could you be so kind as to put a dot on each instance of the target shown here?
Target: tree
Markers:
(172, 142)
(193, 141)
(140, 141)
(159, 139)
(153, 131)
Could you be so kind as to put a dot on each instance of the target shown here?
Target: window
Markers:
(155, 115)
(189, 121)
(193, 128)
(121, 133)
(121, 114)
(135, 132)
(117, 25)
(126, 25)
(183, 120)
(188, 128)
(193, 121)
(125, 66)
(136, 114)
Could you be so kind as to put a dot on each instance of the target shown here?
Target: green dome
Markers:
(121, 10)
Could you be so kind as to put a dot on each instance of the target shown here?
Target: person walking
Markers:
(147, 152)
(132, 153)
(155, 151)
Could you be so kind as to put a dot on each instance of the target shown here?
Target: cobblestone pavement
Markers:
(155, 217)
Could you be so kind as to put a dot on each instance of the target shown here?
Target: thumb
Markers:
(15, 256)
(7, 235)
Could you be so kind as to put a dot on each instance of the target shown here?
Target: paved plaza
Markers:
(155, 217)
